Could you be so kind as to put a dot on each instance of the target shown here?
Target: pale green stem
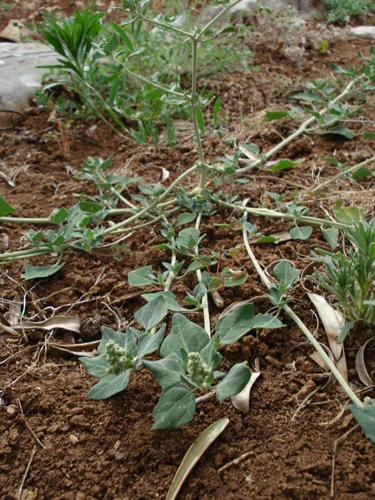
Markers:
(206, 311)
(331, 365)
(166, 26)
(299, 131)
(342, 173)
(216, 18)
(154, 84)
(25, 220)
(265, 212)
(151, 205)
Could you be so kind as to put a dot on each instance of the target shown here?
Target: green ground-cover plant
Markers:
(342, 10)
(350, 276)
(158, 203)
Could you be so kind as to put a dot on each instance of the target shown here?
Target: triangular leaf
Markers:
(32, 272)
(5, 208)
(175, 407)
(152, 313)
(184, 334)
(109, 385)
(234, 382)
(234, 325)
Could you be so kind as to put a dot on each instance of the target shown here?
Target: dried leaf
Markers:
(70, 323)
(76, 349)
(194, 453)
(360, 366)
(241, 401)
(333, 321)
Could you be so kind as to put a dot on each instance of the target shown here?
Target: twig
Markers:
(20, 489)
(34, 436)
(205, 397)
(236, 461)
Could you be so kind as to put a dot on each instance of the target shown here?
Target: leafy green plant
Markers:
(350, 276)
(342, 10)
(189, 362)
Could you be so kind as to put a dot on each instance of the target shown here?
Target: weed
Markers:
(342, 10)
(350, 276)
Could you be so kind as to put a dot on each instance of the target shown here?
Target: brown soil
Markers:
(94, 450)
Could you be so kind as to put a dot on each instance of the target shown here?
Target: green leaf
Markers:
(234, 325)
(345, 330)
(194, 453)
(109, 385)
(168, 370)
(286, 273)
(267, 321)
(97, 366)
(331, 235)
(58, 216)
(281, 165)
(276, 115)
(142, 276)
(152, 313)
(185, 218)
(169, 298)
(200, 120)
(362, 173)
(90, 207)
(234, 381)
(341, 131)
(149, 343)
(370, 136)
(32, 272)
(216, 111)
(347, 215)
(301, 232)
(175, 407)
(5, 208)
(184, 334)
(366, 418)
(127, 339)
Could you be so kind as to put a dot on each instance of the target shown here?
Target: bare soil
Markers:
(94, 450)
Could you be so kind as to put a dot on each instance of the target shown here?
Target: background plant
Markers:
(342, 10)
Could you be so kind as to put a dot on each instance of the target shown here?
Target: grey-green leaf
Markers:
(168, 370)
(267, 321)
(331, 235)
(175, 407)
(235, 324)
(301, 232)
(32, 272)
(366, 418)
(152, 313)
(143, 276)
(109, 385)
(149, 343)
(96, 366)
(234, 381)
(184, 334)
(286, 273)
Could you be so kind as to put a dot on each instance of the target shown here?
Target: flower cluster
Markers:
(117, 358)
(197, 369)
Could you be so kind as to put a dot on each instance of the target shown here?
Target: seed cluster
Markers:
(117, 358)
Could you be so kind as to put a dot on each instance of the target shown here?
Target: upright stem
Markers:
(206, 311)
(194, 109)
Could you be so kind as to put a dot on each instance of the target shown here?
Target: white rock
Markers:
(20, 76)
(363, 31)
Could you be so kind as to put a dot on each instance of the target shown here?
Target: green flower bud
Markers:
(197, 369)
(117, 358)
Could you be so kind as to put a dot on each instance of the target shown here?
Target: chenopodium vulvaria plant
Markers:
(189, 361)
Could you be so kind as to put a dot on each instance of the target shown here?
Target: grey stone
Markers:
(20, 77)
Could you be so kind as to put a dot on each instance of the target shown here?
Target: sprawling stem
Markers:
(331, 365)
(265, 212)
(300, 130)
(25, 220)
(206, 311)
(343, 172)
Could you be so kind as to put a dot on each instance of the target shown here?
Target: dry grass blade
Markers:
(194, 453)
(360, 365)
(85, 349)
(241, 401)
(333, 321)
(70, 323)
